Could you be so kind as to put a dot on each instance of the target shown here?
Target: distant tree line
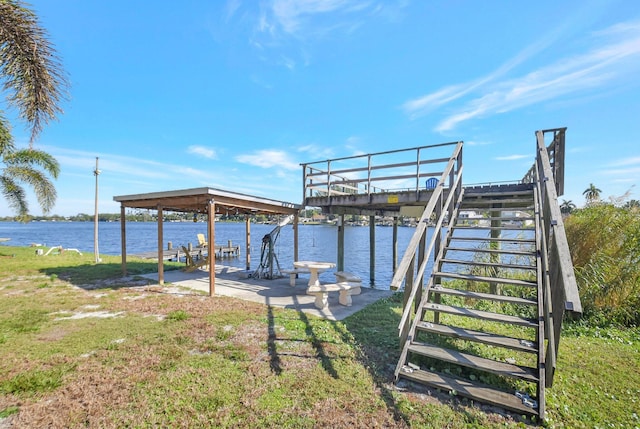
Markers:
(146, 216)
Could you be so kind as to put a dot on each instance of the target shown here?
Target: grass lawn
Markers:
(82, 347)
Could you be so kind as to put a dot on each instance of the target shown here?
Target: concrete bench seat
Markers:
(344, 276)
(322, 293)
(293, 274)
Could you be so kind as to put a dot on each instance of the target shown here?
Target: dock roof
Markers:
(198, 199)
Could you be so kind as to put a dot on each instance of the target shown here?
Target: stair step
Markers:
(500, 218)
(472, 361)
(475, 208)
(485, 279)
(480, 314)
(499, 190)
(486, 296)
(492, 200)
(479, 337)
(497, 205)
(471, 390)
(488, 264)
(499, 251)
(497, 239)
(495, 228)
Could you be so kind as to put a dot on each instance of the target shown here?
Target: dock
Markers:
(176, 253)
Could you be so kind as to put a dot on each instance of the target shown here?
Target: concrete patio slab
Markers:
(232, 282)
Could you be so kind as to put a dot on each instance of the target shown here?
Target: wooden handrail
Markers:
(332, 177)
(558, 280)
(423, 264)
(453, 172)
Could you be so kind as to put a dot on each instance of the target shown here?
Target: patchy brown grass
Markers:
(177, 359)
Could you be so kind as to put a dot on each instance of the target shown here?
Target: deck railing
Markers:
(560, 291)
(441, 203)
(376, 172)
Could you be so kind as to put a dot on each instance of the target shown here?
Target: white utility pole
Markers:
(96, 252)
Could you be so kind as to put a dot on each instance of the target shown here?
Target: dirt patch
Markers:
(92, 314)
(55, 334)
(115, 283)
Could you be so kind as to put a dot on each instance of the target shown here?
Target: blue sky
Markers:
(236, 94)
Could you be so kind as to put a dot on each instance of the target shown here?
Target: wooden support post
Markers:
(211, 231)
(437, 244)
(123, 240)
(296, 220)
(247, 223)
(372, 249)
(408, 287)
(494, 288)
(341, 242)
(160, 247)
(394, 251)
(420, 281)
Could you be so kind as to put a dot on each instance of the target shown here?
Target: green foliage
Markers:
(8, 411)
(23, 321)
(604, 241)
(178, 315)
(36, 381)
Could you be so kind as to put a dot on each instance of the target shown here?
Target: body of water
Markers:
(316, 242)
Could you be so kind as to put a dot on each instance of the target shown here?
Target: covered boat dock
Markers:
(207, 201)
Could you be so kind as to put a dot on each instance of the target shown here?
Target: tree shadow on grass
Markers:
(374, 330)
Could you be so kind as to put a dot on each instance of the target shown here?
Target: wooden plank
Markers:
(483, 315)
(480, 295)
(495, 228)
(508, 240)
(476, 362)
(486, 279)
(489, 200)
(475, 391)
(508, 218)
(489, 264)
(479, 337)
(505, 251)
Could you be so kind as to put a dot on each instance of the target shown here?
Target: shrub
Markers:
(604, 241)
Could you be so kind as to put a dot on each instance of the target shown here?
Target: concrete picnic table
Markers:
(314, 268)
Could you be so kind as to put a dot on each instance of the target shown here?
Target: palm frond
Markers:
(6, 139)
(29, 157)
(15, 195)
(43, 188)
(34, 76)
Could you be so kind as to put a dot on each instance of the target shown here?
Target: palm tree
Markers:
(567, 207)
(20, 166)
(632, 204)
(592, 193)
(35, 83)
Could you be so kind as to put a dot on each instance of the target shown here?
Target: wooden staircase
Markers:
(478, 326)
(483, 298)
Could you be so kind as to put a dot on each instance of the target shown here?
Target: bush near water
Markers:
(604, 241)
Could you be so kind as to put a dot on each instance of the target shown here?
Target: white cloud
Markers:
(269, 159)
(635, 172)
(614, 59)
(626, 161)
(317, 151)
(127, 168)
(202, 151)
(512, 157)
(476, 143)
(292, 15)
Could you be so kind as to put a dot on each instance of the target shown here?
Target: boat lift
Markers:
(267, 269)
